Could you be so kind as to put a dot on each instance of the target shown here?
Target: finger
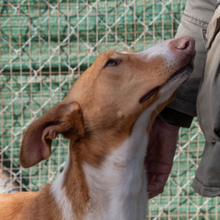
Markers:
(158, 183)
(153, 194)
(151, 178)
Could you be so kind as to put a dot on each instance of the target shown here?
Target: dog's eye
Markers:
(112, 63)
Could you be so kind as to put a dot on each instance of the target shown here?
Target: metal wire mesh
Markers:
(44, 46)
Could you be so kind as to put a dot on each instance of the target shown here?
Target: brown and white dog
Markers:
(106, 116)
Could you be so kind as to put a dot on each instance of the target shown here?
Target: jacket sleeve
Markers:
(195, 19)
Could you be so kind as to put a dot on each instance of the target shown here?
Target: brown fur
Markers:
(29, 205)
(76, 187)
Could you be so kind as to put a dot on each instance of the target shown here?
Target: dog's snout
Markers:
(186, 45)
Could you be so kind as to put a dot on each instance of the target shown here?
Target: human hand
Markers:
(160, 153)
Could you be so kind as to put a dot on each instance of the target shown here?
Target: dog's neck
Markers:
(114, 190)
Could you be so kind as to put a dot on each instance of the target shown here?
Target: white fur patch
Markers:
(161, 49)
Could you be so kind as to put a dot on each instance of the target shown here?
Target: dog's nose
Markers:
(186, 45)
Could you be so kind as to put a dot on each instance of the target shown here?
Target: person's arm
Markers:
(160, 153)
(195, 20)
(179, 113)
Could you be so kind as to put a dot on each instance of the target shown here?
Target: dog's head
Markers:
(108, 97)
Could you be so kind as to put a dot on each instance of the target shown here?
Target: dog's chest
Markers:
(118, 188)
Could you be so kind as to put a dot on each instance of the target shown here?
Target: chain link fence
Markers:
(44, 46)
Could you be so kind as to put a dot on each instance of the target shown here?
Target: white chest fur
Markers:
(118, 188)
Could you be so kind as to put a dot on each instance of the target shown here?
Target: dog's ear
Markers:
(65, 119)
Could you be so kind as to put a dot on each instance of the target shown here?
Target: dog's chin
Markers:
(177, 79)
(184, 72)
